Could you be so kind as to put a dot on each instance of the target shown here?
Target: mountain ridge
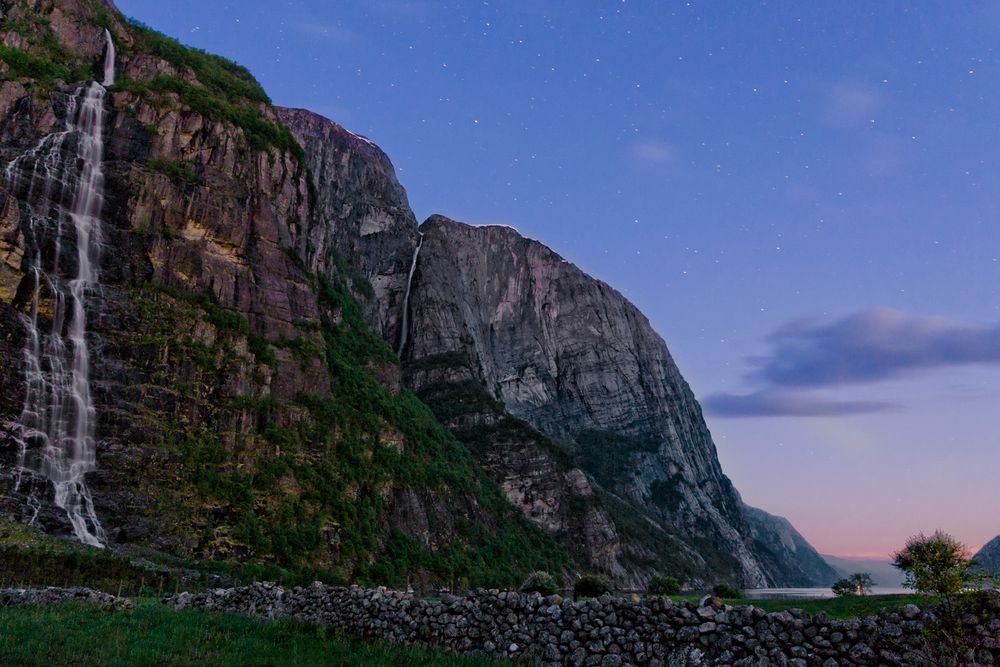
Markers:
(250, 403)
(988, 558)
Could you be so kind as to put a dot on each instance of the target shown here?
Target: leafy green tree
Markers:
(542, 583)
(937, 565)
(940, 567)
(662, 585)
(590, 586)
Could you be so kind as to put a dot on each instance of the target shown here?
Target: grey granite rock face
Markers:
(573, 358)
(558, 385)
(365, 219)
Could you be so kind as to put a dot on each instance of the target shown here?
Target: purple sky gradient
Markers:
(803, 197)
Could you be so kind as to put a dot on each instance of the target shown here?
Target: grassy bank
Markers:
(855, 606)
(156, 636)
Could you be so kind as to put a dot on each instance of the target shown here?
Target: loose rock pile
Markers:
(607, 632)
(15, 597)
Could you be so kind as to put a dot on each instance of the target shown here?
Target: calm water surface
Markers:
(812, 593)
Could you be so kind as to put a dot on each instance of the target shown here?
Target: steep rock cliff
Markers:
(243, 408)
(574, 359)
(553, 381)
(365, 218)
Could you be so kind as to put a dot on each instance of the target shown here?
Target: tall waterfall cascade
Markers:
(405, 329)
(61, 182)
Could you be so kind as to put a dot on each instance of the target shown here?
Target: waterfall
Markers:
(406, 299)
(109, 60)
(61, 181)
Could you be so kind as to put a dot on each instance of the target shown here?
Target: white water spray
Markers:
(406, 299)
(62, 180)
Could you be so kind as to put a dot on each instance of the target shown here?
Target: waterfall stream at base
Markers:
(406, 299)
(61, 181)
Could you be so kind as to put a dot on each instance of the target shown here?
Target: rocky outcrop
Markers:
(785, 550)
(612, 631)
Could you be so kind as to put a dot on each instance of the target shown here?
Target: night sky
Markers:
(802, 197)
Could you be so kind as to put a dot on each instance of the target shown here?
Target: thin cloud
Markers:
(653, 152)
(873, 345)
(866, 347)
(851, 103)
(768, 403)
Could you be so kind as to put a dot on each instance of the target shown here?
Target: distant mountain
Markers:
(883, 572)
(989, 556)
(785, 550)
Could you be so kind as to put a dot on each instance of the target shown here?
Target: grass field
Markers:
(853, 606)
(73, 635)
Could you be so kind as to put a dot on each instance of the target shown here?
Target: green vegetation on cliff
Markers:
(224, 90)
(309, 482)
(228, 434)
(44, 58)
(220, 75)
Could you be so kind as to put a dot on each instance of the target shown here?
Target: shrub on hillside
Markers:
(540, 582)
(662, 585)
(590, 586)
(727, 592)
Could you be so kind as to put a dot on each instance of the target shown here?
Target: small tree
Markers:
(542, 583)
(661, 585)
(590, 586)
(862, 582)
(844, 588)
(939, 566)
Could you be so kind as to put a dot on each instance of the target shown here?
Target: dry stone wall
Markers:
(19, 597)
(605, 632)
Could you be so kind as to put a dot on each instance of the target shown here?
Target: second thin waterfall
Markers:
(406, 299)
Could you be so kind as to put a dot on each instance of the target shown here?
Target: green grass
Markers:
(854, 606)
(157, 636)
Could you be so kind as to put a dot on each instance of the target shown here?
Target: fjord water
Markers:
(814, 593)
(62, 181)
